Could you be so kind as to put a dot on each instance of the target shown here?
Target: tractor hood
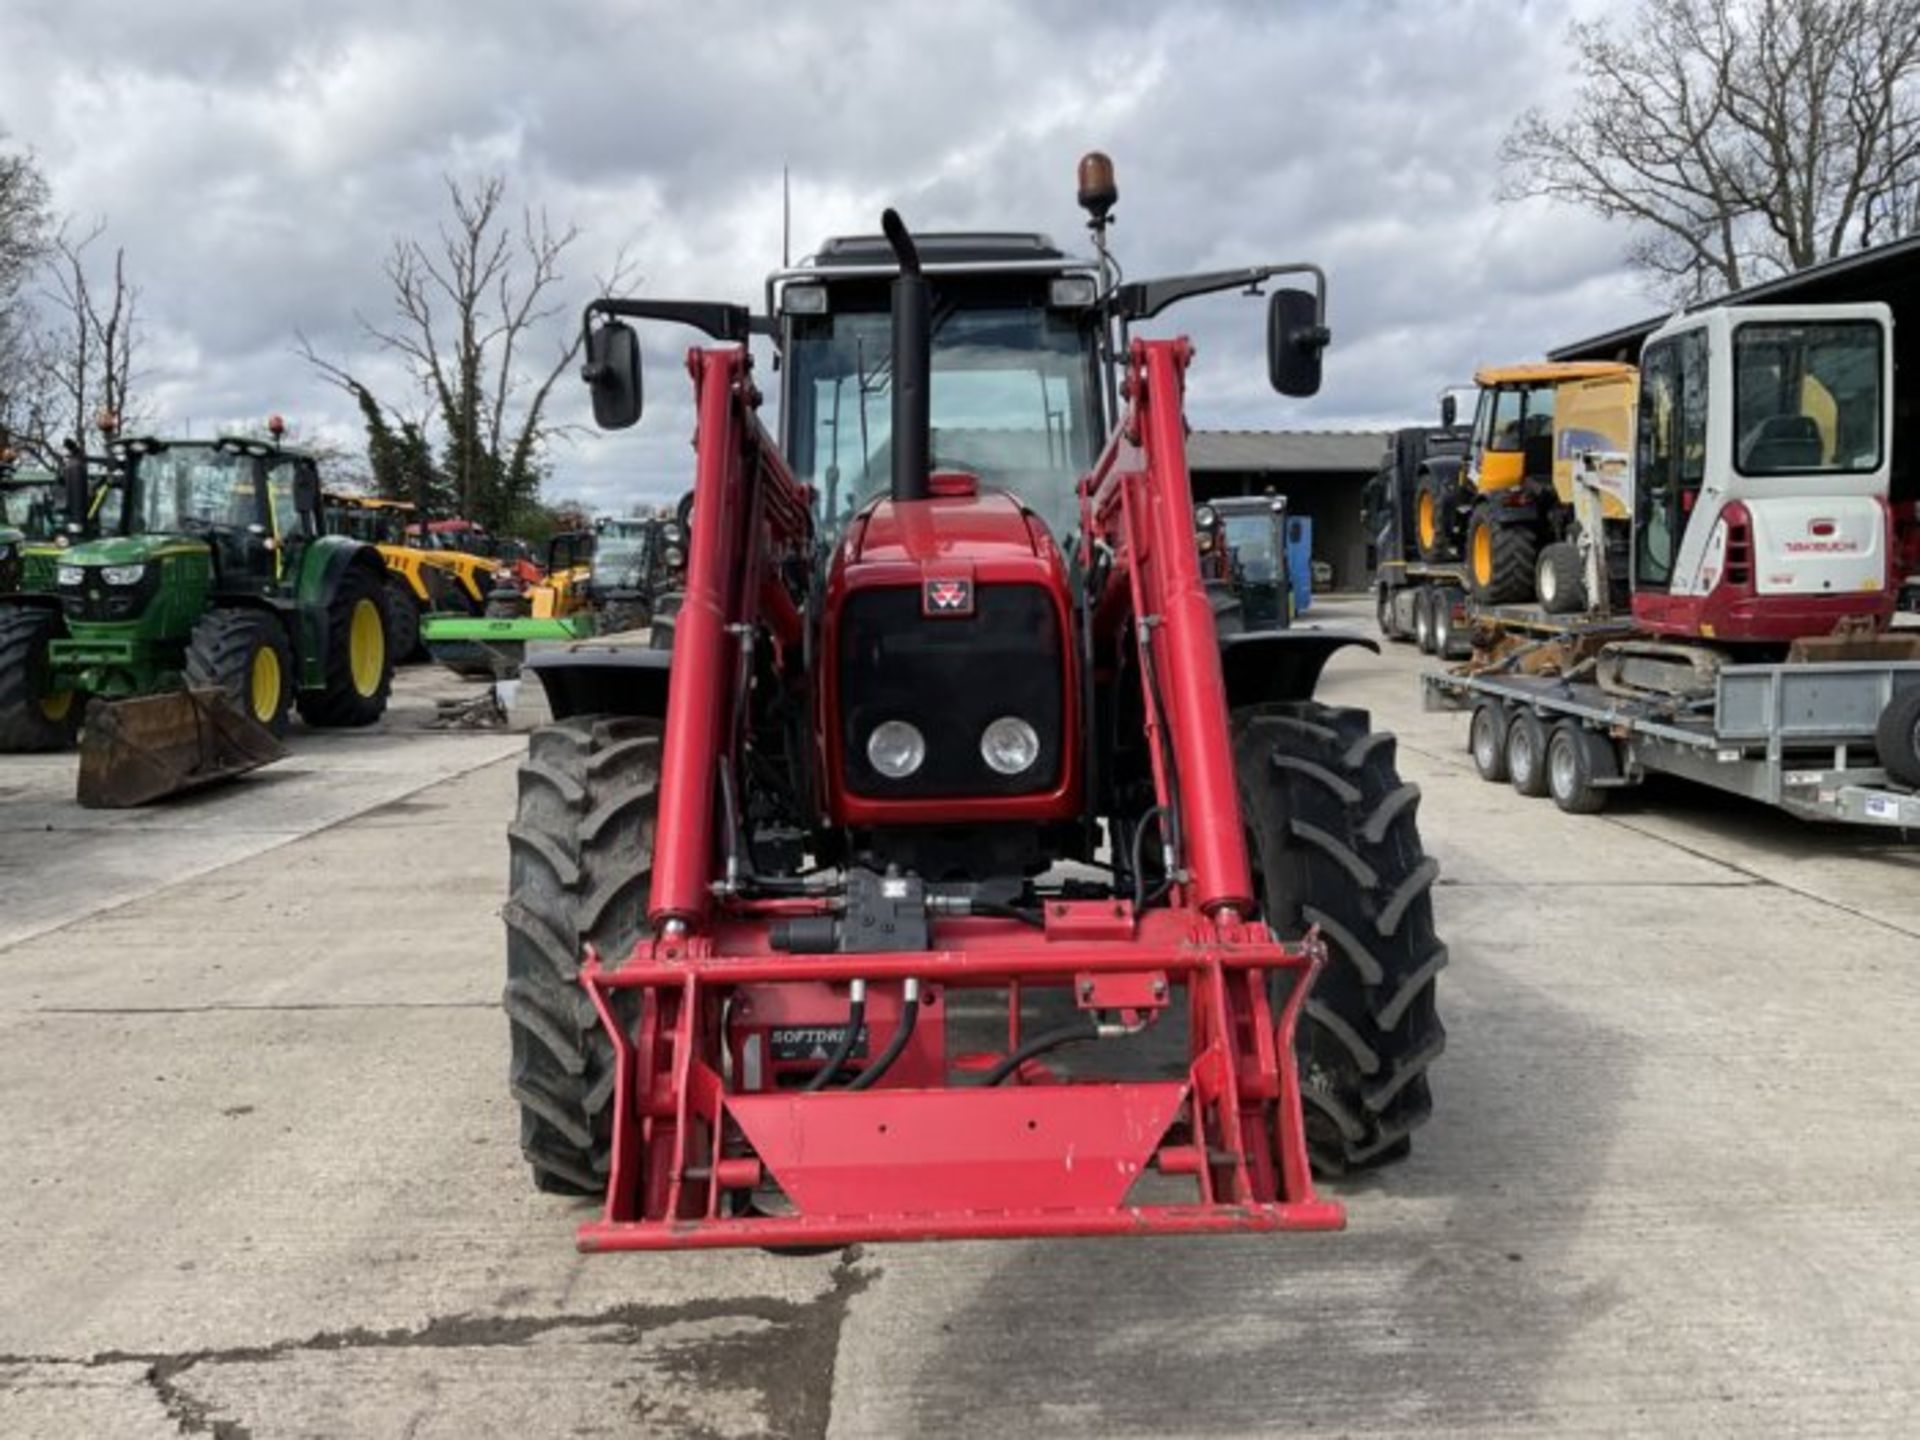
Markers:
(966, 526)
(129, 549)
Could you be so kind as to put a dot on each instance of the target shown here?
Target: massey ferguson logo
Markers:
(948, 597)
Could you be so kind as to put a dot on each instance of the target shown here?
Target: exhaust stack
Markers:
(912, 365)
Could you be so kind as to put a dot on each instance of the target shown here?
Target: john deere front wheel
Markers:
(246, 654)
(359, 661)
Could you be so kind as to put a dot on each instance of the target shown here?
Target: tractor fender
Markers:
(323, 561)
(593, 678)
(1278, 665)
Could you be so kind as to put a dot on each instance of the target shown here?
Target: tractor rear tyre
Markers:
(33, 715)
(581, 847)
(1559, 579)
(1897, 738)
(618, 617)
(1229, 615)
(1433, 501)
(359, 659)
(403, 621)
(1487, 741)
(246, 654)
(1499, 558)
(1527, 754)
(1332, 834)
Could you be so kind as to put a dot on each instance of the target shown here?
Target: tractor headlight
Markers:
(1204, 539)
(123, 574)
(1009, 745)
(1204, 517)
(72, 576)
(675, 557)
(670, 532)
(896, 749)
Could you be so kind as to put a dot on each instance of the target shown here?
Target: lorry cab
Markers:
(1762, 457)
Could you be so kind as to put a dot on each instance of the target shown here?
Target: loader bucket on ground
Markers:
(136, 751)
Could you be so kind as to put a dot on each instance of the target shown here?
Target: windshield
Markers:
(1011, 403)
(1250, 544)
(620, 558)
(196, 487)
(32, 507)
(1807, 398)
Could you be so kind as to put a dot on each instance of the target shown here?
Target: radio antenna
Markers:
(786, 221)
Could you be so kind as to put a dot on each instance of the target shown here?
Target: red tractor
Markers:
(951, 876)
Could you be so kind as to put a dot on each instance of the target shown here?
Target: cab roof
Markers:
(942, 247)
(1549, 372)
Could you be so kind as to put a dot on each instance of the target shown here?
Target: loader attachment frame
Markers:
(954, 1156)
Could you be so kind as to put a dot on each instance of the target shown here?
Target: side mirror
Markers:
(1295, 338)
(306, 490)
(612, 373)
(1449, 410)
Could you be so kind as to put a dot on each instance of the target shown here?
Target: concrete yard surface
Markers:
(262, 1175)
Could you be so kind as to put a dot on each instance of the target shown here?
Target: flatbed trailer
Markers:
(1798, 737)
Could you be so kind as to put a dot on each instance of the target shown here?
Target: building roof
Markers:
(1863, 275)
(1286, 451)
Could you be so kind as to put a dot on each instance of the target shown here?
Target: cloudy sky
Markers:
(256, 161)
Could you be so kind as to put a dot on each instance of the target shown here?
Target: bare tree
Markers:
(1740, 138)
(84, 354)
(468, 313)
(24, 223)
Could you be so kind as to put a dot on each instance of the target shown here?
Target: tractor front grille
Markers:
(950, 677)
(93, 599)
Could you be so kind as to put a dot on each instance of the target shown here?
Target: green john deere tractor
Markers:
(215, 575)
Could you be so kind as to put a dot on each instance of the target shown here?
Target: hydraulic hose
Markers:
(903, 1032)
(1046, 1040)
(856, 1014)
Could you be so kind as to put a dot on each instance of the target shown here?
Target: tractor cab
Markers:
(366, 519)
(1243, 549)
(1015, 401)
(240, 509)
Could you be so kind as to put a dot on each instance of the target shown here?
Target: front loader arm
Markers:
(749, 517)
(1138, 501)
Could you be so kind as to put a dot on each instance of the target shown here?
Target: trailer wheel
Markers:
(1423, 619)
(33, 715)
(1527, 754)
(580, 867)
(1487, 740)
(1576, 757)
(1332, 832)
(1558, 579)
(1383, 614)
(1499, 558)
(1897, 738)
